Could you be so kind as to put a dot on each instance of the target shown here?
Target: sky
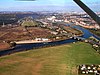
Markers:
(46, 5)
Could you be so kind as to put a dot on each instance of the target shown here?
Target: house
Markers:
(42, 39)
(45, 39)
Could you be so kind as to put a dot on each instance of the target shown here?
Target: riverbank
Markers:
(30, 41)
(4, 46)
(95, 32)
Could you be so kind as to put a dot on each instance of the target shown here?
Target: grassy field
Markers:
(58, 60)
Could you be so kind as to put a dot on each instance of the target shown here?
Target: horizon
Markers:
(48, 5)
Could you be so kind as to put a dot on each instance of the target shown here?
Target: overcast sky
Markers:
(46, 5)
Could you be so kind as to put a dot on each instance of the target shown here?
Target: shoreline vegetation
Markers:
(4, 46)
(95, 32)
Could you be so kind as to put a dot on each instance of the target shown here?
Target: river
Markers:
(24, 47)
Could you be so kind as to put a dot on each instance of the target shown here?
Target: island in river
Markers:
(28, 30)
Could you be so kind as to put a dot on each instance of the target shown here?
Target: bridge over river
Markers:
(78, 38)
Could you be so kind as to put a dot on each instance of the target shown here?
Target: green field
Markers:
(29, 23)
(57, 60)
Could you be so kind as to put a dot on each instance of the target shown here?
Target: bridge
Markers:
(78, 38)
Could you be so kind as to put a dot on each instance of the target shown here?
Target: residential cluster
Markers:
(81, 19)
(89, 69)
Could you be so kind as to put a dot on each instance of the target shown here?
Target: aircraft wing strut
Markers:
(88, 11)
